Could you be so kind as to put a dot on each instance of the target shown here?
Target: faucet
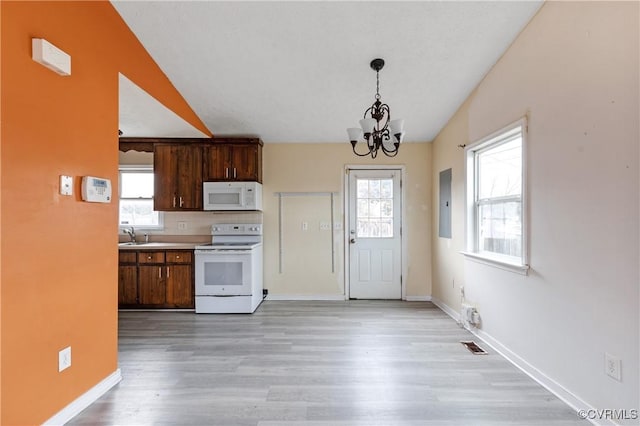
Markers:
(132, 233)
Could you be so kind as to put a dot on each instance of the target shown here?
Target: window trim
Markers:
(137, 168)
(472, 251)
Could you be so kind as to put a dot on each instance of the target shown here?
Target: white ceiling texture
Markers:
(299, 71)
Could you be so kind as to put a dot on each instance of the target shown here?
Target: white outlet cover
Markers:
(612, 366)
(182, 226)
(66, 185)
(64, 358)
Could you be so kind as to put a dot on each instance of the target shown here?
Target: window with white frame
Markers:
(136, 198)
(496, 196)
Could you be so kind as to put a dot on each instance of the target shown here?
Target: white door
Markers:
(374, 234)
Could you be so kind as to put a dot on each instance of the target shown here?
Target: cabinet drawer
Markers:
(179, 257)
(151, 257)
(127, 257)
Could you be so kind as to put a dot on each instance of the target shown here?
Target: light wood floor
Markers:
(357, 363)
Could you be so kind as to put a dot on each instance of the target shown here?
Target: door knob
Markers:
(352, 241)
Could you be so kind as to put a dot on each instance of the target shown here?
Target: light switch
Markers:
(66, 185)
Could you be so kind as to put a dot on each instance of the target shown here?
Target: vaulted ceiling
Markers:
(299, 71)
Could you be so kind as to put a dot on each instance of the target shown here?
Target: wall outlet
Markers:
(612, 366)
(64, 359)
(305, 226)
(182, 226)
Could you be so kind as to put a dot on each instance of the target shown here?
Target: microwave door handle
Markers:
(241, 198)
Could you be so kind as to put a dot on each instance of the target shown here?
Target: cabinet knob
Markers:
(149, 257)
(177, 257)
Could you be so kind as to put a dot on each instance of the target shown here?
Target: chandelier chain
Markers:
(377, 85)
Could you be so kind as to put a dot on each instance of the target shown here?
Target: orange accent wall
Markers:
(58, 255)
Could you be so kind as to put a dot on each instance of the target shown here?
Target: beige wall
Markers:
(307, 254)
(448, 265)
(574, 72)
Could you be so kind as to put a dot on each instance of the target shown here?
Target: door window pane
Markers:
(374, 208)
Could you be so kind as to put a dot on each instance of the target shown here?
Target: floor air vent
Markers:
(474, 348)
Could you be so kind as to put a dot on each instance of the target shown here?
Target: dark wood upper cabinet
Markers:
(180, 165)
(233, 160)
(177, 177)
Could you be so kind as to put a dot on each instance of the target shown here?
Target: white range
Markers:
(229, 270)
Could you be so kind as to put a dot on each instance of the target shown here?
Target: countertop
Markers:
(158, 246)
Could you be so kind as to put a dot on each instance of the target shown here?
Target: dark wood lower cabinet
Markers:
(152, 285)
(179, 286)
(156, 279)
(127, 285)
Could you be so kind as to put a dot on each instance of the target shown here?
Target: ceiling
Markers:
(299, 71)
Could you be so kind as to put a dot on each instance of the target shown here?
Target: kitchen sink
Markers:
(131, 243)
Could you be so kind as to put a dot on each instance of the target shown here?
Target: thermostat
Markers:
(96, 190)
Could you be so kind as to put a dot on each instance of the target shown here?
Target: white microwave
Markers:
(232, 196)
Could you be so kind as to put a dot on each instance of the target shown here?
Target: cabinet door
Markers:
(217, 163)
(188, 179)
(164, 178)
(152, 284)
(180, 286)
(127, 285)
(245, 162)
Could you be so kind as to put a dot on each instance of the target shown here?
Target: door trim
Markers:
(403, 224)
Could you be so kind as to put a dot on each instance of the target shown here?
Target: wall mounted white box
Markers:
(50, 56)
(64, 359)
(66, 185)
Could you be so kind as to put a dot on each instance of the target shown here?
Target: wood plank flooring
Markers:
(356, 363)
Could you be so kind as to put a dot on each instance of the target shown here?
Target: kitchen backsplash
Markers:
(196, 223)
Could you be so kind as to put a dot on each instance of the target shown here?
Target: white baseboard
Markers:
(84, 400)
(306, 297)
(446, 309)
(418, 298)
(547, 382)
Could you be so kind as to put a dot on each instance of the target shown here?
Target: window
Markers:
(136, 198)
(495, 197)
(374, 208)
